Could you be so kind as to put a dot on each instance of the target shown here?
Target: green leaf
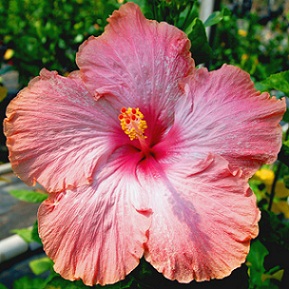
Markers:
(217, 17)
(29, 283)
(214, 18)
(255, 263)
(29, 234)
(29, 196)
(25, 234)
(201, 49)
(256, 256)
(34, 233)
(278, 81)
(41, 265)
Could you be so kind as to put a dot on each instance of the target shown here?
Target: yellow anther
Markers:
(132, 123)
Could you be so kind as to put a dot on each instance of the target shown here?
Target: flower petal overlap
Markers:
(97, 232)
(58, 132)
(214, 215)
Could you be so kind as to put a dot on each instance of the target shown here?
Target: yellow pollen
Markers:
(132, 123)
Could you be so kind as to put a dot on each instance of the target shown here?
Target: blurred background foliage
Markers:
(250, 34)
(258, 43)
(47, 33)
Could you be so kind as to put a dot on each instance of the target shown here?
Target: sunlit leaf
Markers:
(41, 265)
(29, 196)
(217, 17)
(25, 234)
(257, 254)
(278, 81)
(255, 262)
(278, 275)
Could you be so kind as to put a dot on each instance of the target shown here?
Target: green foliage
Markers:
(24, 233)
(284, 153)
(29, 283)
(184, 15)
(278, 81)
(274, 230)
(60, 283)
(201, 50)
(41, 265)
(255, 261)
(46, 33)
(176, 12)
(260, 277)
(217, 17)
(258, 49)
(279, 84)
(29, 196)
(29, 234)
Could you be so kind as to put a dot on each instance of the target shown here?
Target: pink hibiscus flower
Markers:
(143, 156)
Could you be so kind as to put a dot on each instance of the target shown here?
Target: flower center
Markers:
(132, 123)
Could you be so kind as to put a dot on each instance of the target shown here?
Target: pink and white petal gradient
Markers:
(138, 60)
(222, 113)
(97, 232)
(179, 196)
(57, 133)
(203, 218)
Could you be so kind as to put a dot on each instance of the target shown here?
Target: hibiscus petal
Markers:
(138, 60)
(203, 218)
(57, 133)
(223, 114)
(96, 233)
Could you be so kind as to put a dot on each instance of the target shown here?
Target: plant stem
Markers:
(272, 193)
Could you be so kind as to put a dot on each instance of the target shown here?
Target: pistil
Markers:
(133, 124)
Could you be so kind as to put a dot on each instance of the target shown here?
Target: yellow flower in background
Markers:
(265, 175)
(8, 54)
(244, 57)
(280, 202)
(242, 32)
